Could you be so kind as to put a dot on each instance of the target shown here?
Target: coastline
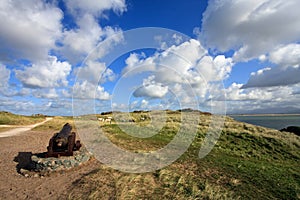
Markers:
(274, 121)
(263, 115)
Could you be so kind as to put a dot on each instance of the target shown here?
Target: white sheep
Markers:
(100, 119)
(108, 120)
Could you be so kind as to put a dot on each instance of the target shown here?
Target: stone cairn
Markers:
(40, 163)
(63, 153)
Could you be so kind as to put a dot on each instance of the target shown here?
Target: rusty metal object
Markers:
(63, 143)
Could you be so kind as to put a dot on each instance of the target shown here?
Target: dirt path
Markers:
(14, 151)
(20, 129)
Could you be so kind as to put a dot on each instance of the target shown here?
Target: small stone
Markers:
(78, 157)
(23, 171)
(49, 169)
(26, 175)
(72, 162)
(85, 158)
(34, 158)
(36, 176)
(66, 163)
(61, 167)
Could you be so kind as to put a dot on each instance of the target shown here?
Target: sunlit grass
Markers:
(12, 119)
(56, 124)
(247, 162)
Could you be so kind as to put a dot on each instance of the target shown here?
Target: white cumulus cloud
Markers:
(96, 7)
(95, 72)
(46, 93)
(251, 28)
(29, 29)
(183, 73)
(45, 74)
(87, 90)
(278, 99)
(214, 69)
(78, 42)
(286, 56)
(151, 89)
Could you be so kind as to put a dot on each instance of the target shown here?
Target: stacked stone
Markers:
(50, 164)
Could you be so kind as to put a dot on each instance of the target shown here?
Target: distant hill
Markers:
(9, 118)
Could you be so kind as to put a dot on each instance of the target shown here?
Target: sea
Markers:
(270, 121)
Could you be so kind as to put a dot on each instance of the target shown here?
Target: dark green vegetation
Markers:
(292, 129)
(8, 118)
(247, 162)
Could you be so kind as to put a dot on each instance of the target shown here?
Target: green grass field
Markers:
(247, 162)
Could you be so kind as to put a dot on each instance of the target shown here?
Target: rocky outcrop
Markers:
(292, 129)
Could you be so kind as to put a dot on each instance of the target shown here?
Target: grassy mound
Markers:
(247, 162)
(8, 118)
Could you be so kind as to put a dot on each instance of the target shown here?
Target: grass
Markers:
(247, 162)
(8, 118)
(56, 124)
(167, 183)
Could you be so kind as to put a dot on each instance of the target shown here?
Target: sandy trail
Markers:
(20, 129)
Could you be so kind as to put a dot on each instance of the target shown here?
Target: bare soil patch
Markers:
(15, 152)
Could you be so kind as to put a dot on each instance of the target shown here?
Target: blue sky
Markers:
(244, 54)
